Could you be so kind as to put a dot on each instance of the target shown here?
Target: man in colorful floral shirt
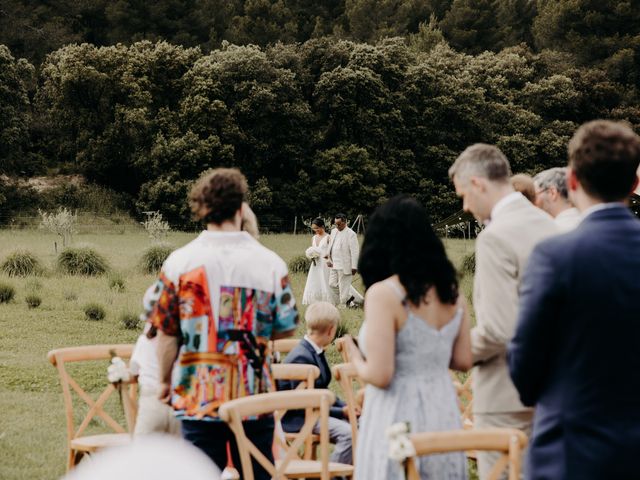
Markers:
(218, 301)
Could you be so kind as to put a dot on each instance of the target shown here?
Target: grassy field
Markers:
(32, 423)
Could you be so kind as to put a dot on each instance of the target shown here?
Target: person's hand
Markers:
(164, 393)
(354, 271)
(345, 412)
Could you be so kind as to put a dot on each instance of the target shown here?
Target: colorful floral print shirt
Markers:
(219, 286)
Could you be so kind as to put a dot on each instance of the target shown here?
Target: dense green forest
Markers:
(325, 106)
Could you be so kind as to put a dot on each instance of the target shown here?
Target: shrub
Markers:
(82, 261)
(7, 292)
(33, 300)
(62, 223)
(156, 227)
(21, 263)
(130, 321)
(299, 264)
(469, 264)
(116, 282)
(94, 311)
(154, 257)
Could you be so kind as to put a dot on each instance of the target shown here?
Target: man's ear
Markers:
(572, 180)
(478, 183)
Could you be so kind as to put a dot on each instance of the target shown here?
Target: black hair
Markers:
(341, 216)
(319, 222)
(399, 240)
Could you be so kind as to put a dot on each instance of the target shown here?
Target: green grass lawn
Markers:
(32, 422)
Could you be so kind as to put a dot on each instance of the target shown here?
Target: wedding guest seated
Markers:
(322, 322)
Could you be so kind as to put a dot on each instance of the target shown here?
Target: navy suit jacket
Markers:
(305, 353)
(576, 350)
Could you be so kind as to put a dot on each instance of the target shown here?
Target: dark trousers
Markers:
(212, 438)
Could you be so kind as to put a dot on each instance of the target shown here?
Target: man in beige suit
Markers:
(513, 227)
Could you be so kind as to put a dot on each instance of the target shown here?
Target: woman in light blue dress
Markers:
(416, 328)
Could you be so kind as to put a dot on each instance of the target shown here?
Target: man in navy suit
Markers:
(322, 322)
(576, 353)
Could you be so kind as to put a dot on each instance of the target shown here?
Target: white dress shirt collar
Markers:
(503, 202)
(601, 206)
(313, 344)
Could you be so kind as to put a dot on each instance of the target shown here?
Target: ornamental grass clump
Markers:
(33, 300)
(82, 261)
(154, 257)
(7, 292)
(299, 264)
(94, 311)
(21, 263)
(130, 321)
(469, 264)
(116, 282)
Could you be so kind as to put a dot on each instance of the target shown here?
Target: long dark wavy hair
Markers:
(399, 240)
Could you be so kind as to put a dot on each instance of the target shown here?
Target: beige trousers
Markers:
(155, 416)
(519, 420)
(339, 286)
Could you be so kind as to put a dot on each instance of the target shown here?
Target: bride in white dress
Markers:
(317, 287)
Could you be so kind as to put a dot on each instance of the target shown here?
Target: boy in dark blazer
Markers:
(322, 322)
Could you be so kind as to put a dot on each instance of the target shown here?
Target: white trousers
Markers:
(155, 416)
(519, 420)
(340, 286)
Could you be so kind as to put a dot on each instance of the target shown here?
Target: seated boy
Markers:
(322, 320)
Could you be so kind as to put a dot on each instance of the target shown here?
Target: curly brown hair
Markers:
(217, 195)
(604, 156)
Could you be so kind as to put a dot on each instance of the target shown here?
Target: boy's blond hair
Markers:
(321, 316)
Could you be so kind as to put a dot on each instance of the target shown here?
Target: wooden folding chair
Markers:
(318, 401)
(346, 375)
(465, 399)
(342, 349)
(508, 441)
(79, 445)
(306, 375)
(280, 348)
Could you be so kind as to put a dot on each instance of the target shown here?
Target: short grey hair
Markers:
(553, 177)
(481, 160)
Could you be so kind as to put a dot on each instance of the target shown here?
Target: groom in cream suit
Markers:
(513, 227)
(343, 260)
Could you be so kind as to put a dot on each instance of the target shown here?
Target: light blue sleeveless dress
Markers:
(420, 393)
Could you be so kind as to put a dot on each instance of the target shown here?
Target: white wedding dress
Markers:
(317, 287)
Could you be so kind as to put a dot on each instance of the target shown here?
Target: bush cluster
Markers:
(130, 321)
(7, 292)
(469, 264)
(94, 311)
(154, 257)
(33, 301)
(21, 263)
(116, 282)
(299, 264)
(82, 261)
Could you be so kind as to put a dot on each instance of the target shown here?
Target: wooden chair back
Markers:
(465, 399)
(508, 441)
(316, 401)
(59, 358)
(346, 376)
(280, 348)
(342, 349)
(307, 376)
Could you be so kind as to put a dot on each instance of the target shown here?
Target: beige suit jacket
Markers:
(502, 251)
